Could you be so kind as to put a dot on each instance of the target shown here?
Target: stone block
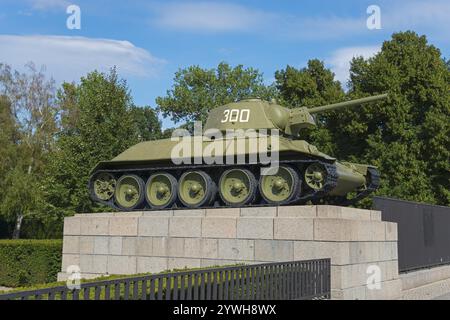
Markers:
(424, 277)
(123, 226)
(293, 229)
(86, 245)
(95, 215)
(390, 290)
(153, 226)
(348, 230)
(158, 213)
(297, 212)
(96, 226)
(190, 227)
(159, 246)
(255, 228)
(223, 212)
(361, 252)
(129, 246)
(121, 265)
(101, 245)
(93, 263)
(336, 212)
(274, 250)
(391, 231)
(144, 246)
(219, 228)
(151, 264)
(355, 293)
(128, 214)
(332, 230)
(189, 213)
(72, 226)
(259, 212)
(70, 260)
(368, 231)
(234, 249)
(71, 244)
(183, 263)
(192, 248)
(375, 215)
(338, 252)
(175, 247)
(210, 248)
(354, 275)
(115, 246)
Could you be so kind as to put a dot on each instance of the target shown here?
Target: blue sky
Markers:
(149, 41)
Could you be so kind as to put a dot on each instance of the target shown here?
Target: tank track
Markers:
(310, 195)
(374, 183)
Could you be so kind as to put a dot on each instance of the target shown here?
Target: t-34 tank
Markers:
(229, 171)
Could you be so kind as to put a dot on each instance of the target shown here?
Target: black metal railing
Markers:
(272, 281)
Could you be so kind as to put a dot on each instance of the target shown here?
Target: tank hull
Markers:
(320, 177)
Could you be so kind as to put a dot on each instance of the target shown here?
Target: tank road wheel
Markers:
(129, 192)
(237, 187)
(103, 186)
(161, 190)
(315, 176)
(196, 189)
(280, 188)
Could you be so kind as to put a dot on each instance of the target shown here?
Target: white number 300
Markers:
(236, 115)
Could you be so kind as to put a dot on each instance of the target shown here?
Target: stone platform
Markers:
(139, 242)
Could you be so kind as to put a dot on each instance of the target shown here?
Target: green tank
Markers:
(250, 153)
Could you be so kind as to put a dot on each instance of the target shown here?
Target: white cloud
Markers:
(340, 60)
(69, 58)
(49, 4)
(204, 17)
(209, 17)
(433, 14)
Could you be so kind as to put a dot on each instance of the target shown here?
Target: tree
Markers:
(407, 136)
(106, 124)
(196, 90)
(147, 123)
(29, 115)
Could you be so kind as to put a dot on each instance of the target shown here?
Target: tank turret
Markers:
(258, 114)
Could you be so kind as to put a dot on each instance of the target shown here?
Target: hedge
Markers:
(29, 262)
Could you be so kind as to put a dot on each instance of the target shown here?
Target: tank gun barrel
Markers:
(350, 103)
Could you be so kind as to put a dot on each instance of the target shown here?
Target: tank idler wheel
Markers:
(103, 186)
(196, 189)
(315, 176)
(237, 187)
(282, 187)
(129, 193)
(161, 190)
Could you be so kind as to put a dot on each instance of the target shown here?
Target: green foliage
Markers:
(106, 124)
(27, 126)
(408, 136)
(196, 90)
(147, 123)
(28, 262)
